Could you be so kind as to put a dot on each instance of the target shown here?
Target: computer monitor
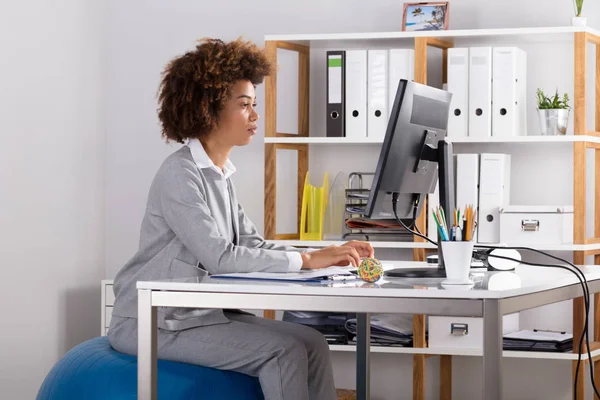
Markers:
(414, 156)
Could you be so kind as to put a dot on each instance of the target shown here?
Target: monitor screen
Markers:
(417, 123)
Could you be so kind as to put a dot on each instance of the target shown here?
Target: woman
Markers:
(194, 225)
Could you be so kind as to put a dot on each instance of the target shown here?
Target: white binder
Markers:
(401, 66)
(356, 94)
(467, 182)
(494, 193)
(458, 85)
(480, 91)
(509, 105)
(377, 82)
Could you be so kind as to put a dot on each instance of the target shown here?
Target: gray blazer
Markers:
(184, 234)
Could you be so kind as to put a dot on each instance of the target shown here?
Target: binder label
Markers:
(334, 64)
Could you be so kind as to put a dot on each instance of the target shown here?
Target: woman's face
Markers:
(237, 121)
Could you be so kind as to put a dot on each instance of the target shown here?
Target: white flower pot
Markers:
(579, 21)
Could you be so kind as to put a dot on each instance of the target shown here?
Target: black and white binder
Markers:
(336, 93)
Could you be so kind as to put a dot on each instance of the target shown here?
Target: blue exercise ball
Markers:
(93, 370)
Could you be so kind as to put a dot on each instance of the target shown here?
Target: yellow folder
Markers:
(314, 202)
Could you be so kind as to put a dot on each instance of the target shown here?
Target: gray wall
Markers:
(52, 184)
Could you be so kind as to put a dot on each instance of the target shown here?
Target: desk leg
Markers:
(492, 350)
(146, 346)
(363, 363)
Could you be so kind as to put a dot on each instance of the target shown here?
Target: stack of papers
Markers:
(331, 325)
(325, 275)
(388, 329)
(538, 340)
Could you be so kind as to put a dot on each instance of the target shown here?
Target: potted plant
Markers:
(578, 20)
(553, 113)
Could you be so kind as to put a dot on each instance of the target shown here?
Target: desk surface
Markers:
(487, 285)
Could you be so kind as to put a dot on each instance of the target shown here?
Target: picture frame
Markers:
(425, 16)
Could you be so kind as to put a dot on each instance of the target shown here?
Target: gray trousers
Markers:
(291, 361)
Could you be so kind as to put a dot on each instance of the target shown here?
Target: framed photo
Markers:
(430, 16)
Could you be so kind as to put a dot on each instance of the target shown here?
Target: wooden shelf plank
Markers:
(380, 245)
(538, 33)
(426, 245)
(465, 352)
(321, 140)
(457, 141)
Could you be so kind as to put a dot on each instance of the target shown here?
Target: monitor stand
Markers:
(443, 155)
(416, 273)
(431, 272)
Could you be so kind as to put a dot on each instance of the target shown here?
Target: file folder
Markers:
(377, 82)
(480, 91)
(458, 85)
(356, 94)
(494, 193)
(336, 96)
(536, 340)
(401, 65)
(509, 105)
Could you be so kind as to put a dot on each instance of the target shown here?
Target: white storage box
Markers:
(536, 224)
(464, 332)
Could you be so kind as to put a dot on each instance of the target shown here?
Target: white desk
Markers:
(536, 286)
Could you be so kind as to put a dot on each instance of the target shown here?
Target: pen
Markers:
(458, 236)
(548, 330)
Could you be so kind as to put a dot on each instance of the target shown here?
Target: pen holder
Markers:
(457, 261)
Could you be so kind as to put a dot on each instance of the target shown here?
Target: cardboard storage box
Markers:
(536, 225)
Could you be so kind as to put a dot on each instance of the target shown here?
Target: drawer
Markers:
(464, 332)
(109, 295)
(107, 316)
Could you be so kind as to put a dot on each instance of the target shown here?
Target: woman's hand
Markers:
(344, 255)
(364, 249)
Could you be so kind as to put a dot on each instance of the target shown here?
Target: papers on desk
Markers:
(538, 340)
(325, 275)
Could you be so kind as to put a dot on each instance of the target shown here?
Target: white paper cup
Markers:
(457, 261)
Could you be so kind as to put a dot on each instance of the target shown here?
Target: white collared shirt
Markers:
(202, 160)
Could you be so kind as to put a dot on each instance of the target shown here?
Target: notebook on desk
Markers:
(325, 275)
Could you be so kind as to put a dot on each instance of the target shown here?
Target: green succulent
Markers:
(554, 102)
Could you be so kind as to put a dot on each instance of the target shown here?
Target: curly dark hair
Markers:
(195, 86)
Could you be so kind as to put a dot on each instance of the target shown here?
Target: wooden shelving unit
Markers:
(584, 138)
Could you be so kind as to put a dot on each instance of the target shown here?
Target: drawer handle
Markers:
(457, 329)
(530, 225)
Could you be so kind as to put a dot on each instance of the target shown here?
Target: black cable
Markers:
(414, 216)
(584, 333)
(586, 297)
(575, 271)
